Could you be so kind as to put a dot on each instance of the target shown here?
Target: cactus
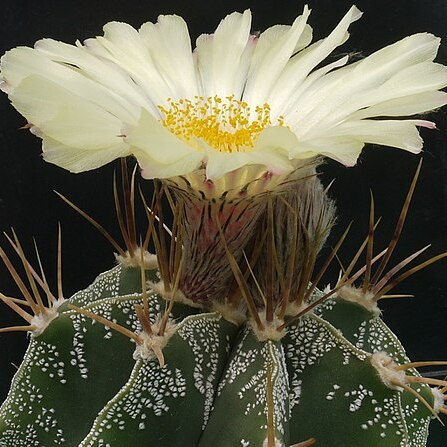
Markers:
(131, 361)
(214, 328)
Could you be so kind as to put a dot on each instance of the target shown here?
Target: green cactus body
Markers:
(170, 404)
(334, 379)
(75, 366)
(363, 328)
(79, 384)
(253, 385)
(118, 281)
(367, 331)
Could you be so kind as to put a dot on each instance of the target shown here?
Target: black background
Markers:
(28, 204)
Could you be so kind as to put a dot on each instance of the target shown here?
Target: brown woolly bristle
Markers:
(51, 299)
(421, 399)
(378, 285)
(409, 273)
(20, 284)
(242, 283)
(347, 272)
(17, 309)
(162, 248)
(112, 325)
(97, 225)
(399, 226)
(326, 264)
(31, 297)
(120, 218)
(29, 328)
(370, 247)
(307, 443)
(386, 278)
(125, 212)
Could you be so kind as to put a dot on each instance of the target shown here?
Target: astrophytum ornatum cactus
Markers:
(132, 361)
(224, 337)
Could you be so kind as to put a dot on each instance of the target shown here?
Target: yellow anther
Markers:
(224, 123)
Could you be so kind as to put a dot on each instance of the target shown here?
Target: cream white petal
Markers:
(160, 145)
(277, 138)
(159, 153)
(272, 149)
(77, 160)
(419, 78)
(287, 108)
(64, 116)
(271, 36)
(367, 75)
(123, 45)
(169, 44)
(401, 134)
(203, 57)
(315, 93)
(345, 150)
(151, 168)
(269, 61)
(121, 38)
(233, 32)
(220, 57)
(220, 163)
(113, 78)
(305, 39)
(300, 65)
(404, 106)
(385, 63)
(244, 65)
(22, 62)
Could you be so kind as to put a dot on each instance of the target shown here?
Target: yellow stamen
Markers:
(226, 124)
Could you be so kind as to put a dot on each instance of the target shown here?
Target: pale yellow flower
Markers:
(237, 101)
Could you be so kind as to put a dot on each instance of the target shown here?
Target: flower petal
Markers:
(156, 148)
(220, 57)
(345, 150)
(277, 138)
(270, 58)
(22, 62)
(278, 102)
(77, 160)
(404, 106)
(303, 63)
(362, 81)
(402, 134)
(219, 163)
(151, 168)
(419, 78)
(113, 78)
(123, 46)
(64, 116)
(272, 149)
(169, 44)
(81, 99)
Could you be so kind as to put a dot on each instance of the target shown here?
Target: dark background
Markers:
(28, 204)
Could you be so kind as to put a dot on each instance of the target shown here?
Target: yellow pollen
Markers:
(226, 124)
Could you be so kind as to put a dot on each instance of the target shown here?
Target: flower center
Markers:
(226, 124)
